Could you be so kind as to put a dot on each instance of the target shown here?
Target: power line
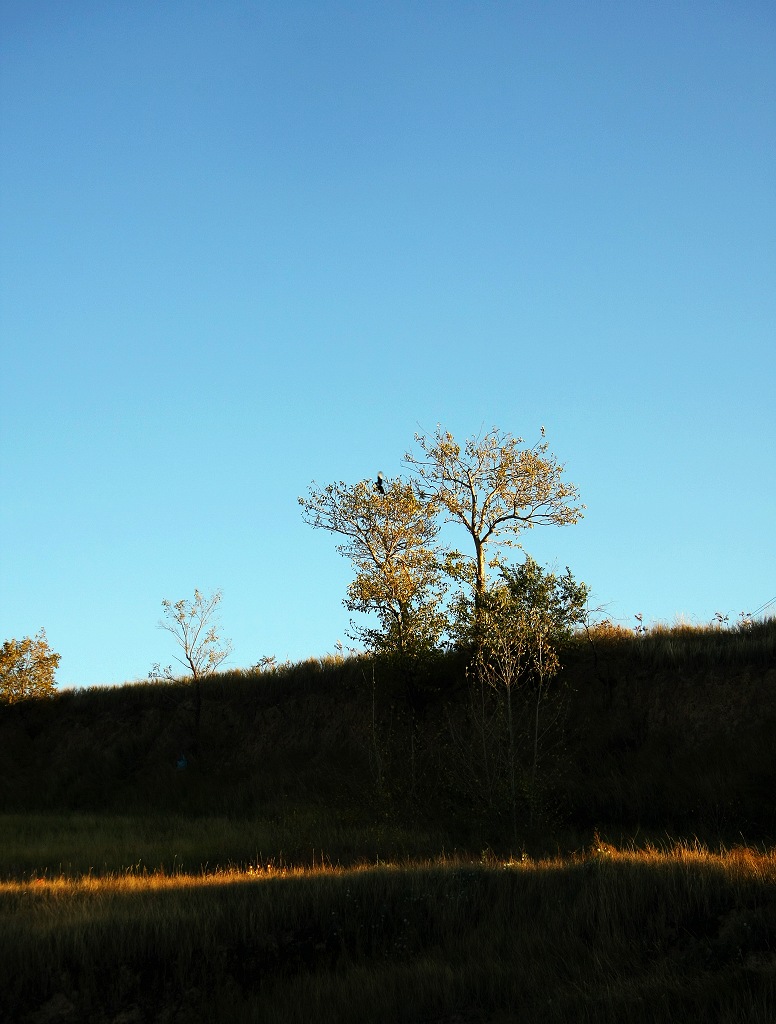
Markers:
(763, 607)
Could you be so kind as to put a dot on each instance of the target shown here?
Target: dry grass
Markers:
(654, 934)
(661, 645)
(235, 914)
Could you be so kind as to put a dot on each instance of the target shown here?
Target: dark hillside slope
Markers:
(674, 731)
(133, 747)
(677, 730)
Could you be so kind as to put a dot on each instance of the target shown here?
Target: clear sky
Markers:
(245, 245)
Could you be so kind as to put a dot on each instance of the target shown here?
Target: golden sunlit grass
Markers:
(658, 933)
(688, 644)
(742, 861)
(138, 881)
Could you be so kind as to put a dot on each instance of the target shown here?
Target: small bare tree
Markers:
(196, 630)
(516, 652)
(525, 619)
(193, 625)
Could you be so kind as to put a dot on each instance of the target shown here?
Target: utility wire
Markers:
(763, 607)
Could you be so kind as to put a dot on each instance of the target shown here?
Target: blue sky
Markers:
(248, 245)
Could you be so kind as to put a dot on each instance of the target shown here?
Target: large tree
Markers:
(495, 489)
(389, 535)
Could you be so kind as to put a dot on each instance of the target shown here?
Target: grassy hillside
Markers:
(669, 731)
(340, 843)
(675, 730)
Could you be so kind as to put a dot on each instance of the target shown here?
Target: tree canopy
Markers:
(389, 535)
(193, 625)
(27, 668)
(492, 486)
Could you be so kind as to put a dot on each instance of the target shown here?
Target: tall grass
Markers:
(74, 845)
(690, 646)
(651, 935)
(668, 730)
(273, 879)
(674, 729)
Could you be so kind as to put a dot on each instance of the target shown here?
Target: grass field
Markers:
(652, 934)
(73, 845)
(326, 856)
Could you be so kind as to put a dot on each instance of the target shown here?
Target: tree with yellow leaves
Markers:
(389, 535)
(27, 668)
(495, 489)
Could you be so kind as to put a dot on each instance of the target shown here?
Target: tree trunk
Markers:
(479, 583)
(197, 712)
(479, 595)
(512, 785)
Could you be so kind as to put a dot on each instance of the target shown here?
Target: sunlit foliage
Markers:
(27, 668)
(494, 488)
(524, 593)
(390, 539)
